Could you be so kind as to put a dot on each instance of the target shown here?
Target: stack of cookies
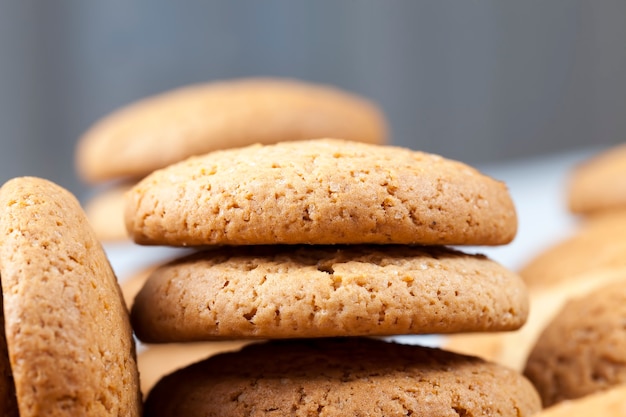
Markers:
(320, 245)
(157, 131)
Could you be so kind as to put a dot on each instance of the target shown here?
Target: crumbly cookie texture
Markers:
(599, 243)
(583, 350)
(160, 130)
(342, 377)
(69, 338)
(324, 191)
(305, 291)
(599, 183)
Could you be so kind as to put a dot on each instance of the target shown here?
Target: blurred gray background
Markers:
(478, 81)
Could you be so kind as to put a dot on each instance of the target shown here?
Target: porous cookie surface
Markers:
(599, 183)
(69, 338)
(599, 243)
(281, 292)
(583, 350)
(160, 130)
(323, 191)
(342, 377)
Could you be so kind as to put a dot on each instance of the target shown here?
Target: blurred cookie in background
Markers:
(599, 183)
(599, 242)
(512, 348)
(583, 349)
(609, 403)
(166, 128)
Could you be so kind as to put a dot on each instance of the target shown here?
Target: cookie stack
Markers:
(319, 245)
(157, 131)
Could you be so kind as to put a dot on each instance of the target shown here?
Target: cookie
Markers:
(156, 361)
(321, 291)
(611, 402)
(342, 377)
(599, 183)
(324, 191)
(160, 130)
(105, 211)
(583, 349)
(512, 348)
(67, 330)
(598, 243)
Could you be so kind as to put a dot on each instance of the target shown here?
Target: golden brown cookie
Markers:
(69, 338)
(158, 360)
(192, 120)
(324, 191)
(342, 377)
(105, 211)
(583, 349)
(599, 183)
(599, 243)
(512, 348)
(609, 403)
(320, 291)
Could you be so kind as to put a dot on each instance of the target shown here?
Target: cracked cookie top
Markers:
(324, 291)
(324, 191)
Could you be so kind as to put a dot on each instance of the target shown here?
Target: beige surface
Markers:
(105, 212)
(303, 291)
(512, 348)
(158, 360)
(583, 349)
(160, 130)
(609, 403)
(599, 183)
(320, 192)
(67, 329)
(598, 243)
(342, 377)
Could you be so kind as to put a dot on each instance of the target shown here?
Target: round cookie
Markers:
(324, 191)
(599, 243)
(611, 402)
(583, 349)
(599, 183)
(342, 377)
(160, 130)
(69, 339)
(105, 212)
(321, 291)
(512, 348)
